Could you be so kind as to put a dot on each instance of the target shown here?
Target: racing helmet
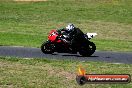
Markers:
(70, 27)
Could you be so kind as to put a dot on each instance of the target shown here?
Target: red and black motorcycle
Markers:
(56, 44)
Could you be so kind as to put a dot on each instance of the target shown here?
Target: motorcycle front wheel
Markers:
(87, 49)
(47, 47)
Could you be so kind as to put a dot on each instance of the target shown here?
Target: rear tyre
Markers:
(47, 47)
(87, 49)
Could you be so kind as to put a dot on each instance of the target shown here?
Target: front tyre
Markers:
(47, 47)
(87, 49)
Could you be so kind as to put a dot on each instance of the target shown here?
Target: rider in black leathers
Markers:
(75, 35)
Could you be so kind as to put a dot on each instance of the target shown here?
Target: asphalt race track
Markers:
(104, 56)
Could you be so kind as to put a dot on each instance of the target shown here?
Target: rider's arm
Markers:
(60, 30)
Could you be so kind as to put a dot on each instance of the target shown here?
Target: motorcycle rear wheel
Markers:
(47, 47)
(87, 49)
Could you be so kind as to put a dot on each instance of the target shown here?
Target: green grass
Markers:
(21, 39)
(27, 23)
(44, 73)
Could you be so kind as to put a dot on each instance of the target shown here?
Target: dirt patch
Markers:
(67, 75)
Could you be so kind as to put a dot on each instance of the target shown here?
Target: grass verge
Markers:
(44, 73)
